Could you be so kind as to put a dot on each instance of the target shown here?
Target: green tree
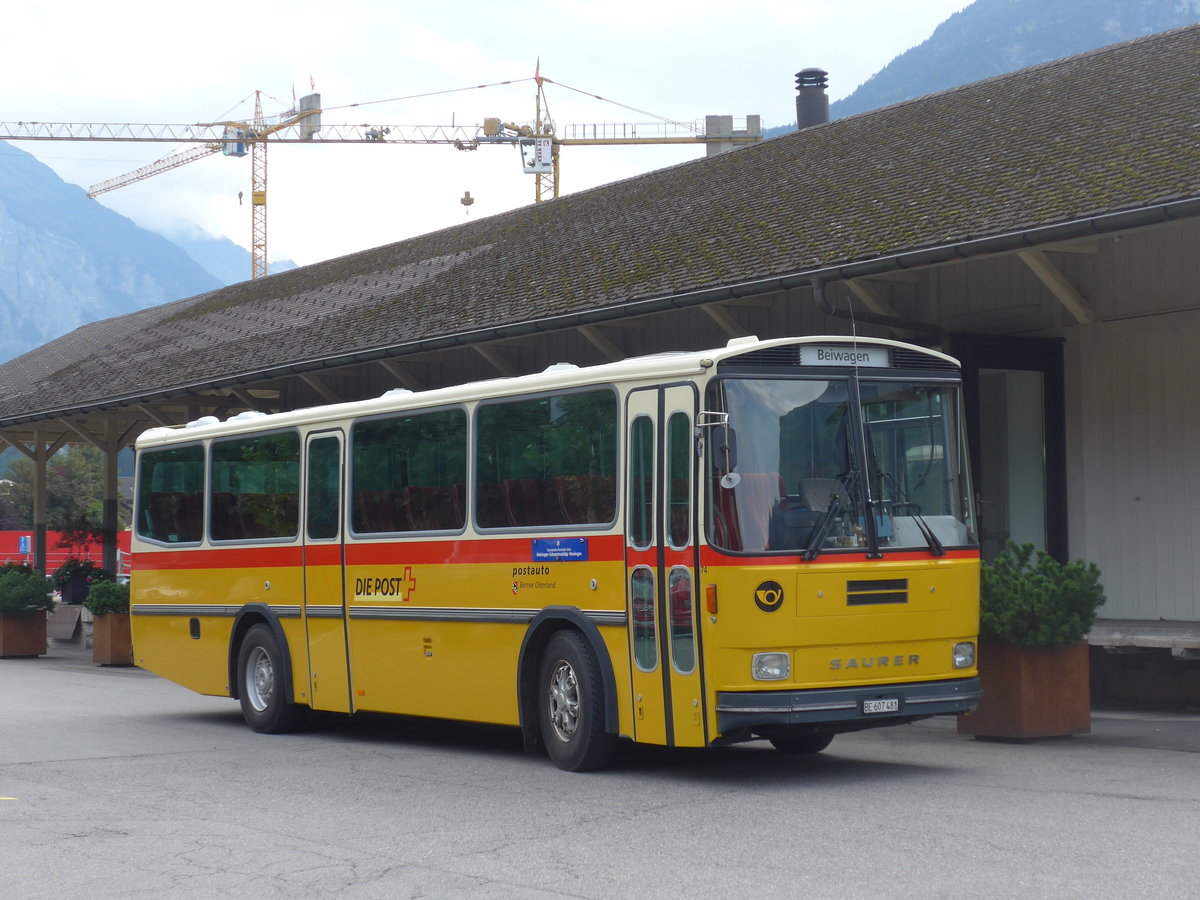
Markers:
(74, 492)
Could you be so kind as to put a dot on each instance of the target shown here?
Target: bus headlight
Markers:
(964, 655)
(770, 666)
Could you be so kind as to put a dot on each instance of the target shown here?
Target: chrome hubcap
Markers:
(562, 695)
(260, 679)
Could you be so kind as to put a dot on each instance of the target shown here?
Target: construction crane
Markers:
(538, 143)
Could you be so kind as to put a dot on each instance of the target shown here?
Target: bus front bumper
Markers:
(843, 709)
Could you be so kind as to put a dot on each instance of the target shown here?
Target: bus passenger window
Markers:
(409, 473)
(170, 499)
(547, 461)
(255, 487)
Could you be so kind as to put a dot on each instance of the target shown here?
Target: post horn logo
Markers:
(768, 596)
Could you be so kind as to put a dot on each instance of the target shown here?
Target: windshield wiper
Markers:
(821, 531)
(935, 546)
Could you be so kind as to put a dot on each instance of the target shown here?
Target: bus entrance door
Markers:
(660, 553)
(324, 575)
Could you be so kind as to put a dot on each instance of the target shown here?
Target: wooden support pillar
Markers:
(39, 499)
(111, 447)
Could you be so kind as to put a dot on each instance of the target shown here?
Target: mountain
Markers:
(991, 37)
(222, 258)
(66, 260)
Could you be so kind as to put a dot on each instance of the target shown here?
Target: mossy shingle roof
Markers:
(1113, 130)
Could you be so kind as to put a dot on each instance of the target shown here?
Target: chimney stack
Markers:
(812, 104)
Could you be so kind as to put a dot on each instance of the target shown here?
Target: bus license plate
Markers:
(889, 704)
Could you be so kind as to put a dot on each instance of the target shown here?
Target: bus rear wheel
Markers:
(260, 684)
(801, 744)
(571, 707)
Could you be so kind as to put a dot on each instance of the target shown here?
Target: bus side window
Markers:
(408, 472)
(171, 495)
(255, 487)
(546, 460)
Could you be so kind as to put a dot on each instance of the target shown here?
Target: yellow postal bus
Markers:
(773, 539)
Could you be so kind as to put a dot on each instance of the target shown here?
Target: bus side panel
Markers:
(163, 644)
(443, 639)
(165, 601)
(451, 670)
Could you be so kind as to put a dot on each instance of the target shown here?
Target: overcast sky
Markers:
(153, 62)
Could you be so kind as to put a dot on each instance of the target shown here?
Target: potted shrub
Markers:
(24, 601)
(75, 577)
(108, 602)
(1033, 660)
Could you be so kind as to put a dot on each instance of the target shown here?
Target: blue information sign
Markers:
(24, 544)
(560, 549)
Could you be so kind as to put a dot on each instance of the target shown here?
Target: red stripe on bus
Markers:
(711, 557)
(225, 558)
(601, 548)
(323, 555)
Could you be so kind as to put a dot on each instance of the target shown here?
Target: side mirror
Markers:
(724, 449)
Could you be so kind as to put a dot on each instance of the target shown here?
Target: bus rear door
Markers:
(660, 553)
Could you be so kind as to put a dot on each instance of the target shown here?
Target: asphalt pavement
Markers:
(115, 783)
(1151, 730)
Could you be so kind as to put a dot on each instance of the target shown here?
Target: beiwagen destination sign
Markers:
(828, 355)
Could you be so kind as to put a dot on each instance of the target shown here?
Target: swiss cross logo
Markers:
(377, 588)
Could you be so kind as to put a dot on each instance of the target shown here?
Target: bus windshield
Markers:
(809, 466)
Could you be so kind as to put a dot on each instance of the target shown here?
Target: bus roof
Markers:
(657, 366)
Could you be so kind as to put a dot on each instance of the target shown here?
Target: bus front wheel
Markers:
(571, 707)
(260, 684)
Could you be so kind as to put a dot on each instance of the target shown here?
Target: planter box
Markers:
(1031, 692)
(22, 635)
(111, 641)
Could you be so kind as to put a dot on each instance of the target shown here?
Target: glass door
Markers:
(1015, 421)
(660, 557)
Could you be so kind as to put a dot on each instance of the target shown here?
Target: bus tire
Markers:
(260, 684)
(801, 744)
(571, 705)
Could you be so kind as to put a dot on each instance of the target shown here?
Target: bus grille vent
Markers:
(911, 359)
(787, 355)
(877, 591)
